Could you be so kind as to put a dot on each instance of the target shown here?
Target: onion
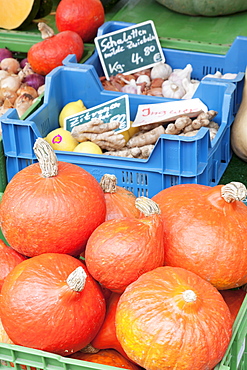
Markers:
(5, 53)
(11, 82)
(3, 74)
(23, 62)
(34, 80)
(10, 65)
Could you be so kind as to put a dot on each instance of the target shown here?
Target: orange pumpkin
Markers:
(120, 250)
(9, 258)
(120, 202)
(50, 302)
(52, 209)
(170, 318)
(108, 357)
(80, 16)
(106, 337)
(234, 299)
(48, 54)
(205, 231)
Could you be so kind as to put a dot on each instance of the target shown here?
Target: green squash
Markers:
(209, 8)
(44, 9)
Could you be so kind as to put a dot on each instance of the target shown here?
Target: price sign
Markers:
(112, 110)
(130, 49)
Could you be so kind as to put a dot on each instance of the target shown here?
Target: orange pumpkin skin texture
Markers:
(106, 337)
(48, 54)
(9, 258)
(40, 310)
(205, 234)
(55, 214)
(234, 299)
(170, 318)
(120, 202)
(119, 251)
(81, 16)
(108, 357)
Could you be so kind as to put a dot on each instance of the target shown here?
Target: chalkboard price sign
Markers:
(112, 110)
(130, 49)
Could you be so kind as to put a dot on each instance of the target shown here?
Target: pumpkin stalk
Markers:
(233, 191)
(77, 279)
(189, 296)
(147, 206)
(108, 183)
(46, 157)
(46, 31)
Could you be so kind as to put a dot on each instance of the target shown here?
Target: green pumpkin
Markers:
(209, 8)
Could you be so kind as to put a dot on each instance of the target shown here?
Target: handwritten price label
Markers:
(169, 111)
(130, 49)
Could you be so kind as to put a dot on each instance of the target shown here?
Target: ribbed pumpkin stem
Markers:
(77, 279)
(46, 157)
(108, 183)
(189, 296)
(46, 31)
(147, 206)
(233, 191)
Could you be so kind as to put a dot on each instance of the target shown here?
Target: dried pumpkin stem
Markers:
(46, 31)
(189, 296)
(89, 349)
(77, 279)
(108, 183)
(233, 191)
(147, 206)
(46, 157)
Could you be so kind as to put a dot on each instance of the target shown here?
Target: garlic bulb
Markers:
(161, 70)
(172, 90)
(229, 76)
(217, 74)
(190, 88)
(143, 78)
(178, 75)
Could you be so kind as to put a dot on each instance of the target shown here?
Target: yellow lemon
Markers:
(69, 109)
(132, 130)
(88, 147)
(61, 139)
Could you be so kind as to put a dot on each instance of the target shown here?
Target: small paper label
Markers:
(169, 111)
(112, 110)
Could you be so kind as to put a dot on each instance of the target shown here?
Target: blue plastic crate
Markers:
(174, 160)
(203, 63)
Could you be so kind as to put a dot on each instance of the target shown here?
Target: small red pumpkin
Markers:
(120, 202)
(51, 206)
(9, 258)
(50, 302)
(48, 54)
(170, 318)
(81, 16)
(108, 357)
(205, 231)
(120, 250)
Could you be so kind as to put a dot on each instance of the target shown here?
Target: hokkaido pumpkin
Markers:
(9, 258)
(48, 54)
(170, 318)
(106, 337)
(50, 302)
(51, 206)
(120, 250)
(108, 357)
(205, 231)
(80, 16)
(205, 7)
(120, 202)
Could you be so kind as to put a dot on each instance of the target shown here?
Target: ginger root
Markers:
(142, 152)
(144, 138)
(101, 133)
